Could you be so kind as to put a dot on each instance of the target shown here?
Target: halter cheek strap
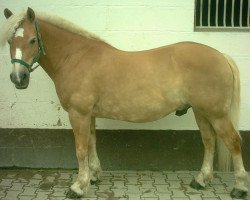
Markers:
(37, 56)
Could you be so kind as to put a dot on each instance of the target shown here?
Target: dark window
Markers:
(222, 15)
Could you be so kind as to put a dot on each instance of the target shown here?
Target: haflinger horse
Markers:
(94, 79)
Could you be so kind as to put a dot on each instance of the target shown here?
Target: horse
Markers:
(94, 79)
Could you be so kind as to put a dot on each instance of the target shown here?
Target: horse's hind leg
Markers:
(225, 130)
(94, 163)
(208, 138)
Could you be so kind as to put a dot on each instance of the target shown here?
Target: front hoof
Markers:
(194, 184)
(95, 181)
(73, 195)
(238, 194)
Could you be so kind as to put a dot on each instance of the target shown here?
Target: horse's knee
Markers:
(81, 153)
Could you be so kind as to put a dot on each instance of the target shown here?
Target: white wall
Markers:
(128, 25)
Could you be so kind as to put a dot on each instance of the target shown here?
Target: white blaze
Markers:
(17, 67)
(18, 54)
(19, 32)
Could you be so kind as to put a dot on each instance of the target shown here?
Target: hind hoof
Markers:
(72, 195)
(194, 184)
(238, 194)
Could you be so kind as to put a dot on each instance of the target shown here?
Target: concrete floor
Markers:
(25, 184)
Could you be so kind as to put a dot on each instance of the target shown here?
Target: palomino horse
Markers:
(93, 79)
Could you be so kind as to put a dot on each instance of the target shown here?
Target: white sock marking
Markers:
(76, 188)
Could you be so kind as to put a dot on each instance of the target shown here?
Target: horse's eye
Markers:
(33, 41)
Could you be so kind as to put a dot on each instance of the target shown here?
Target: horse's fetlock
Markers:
(76, 188)
(241, 174)
(241, 177)
(207, 175)
(84, 184)
(208, 178)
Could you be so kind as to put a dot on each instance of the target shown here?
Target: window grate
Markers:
(222, 15)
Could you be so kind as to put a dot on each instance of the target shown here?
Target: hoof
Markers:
(238, 194)
(72, 195)
(95, 182)
(194, 184)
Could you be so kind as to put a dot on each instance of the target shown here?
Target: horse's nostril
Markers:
(24, 76)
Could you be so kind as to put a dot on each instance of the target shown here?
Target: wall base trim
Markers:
(117, 149)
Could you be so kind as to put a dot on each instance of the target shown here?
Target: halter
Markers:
(37, 56)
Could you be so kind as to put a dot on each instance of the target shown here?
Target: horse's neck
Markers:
(63, 48)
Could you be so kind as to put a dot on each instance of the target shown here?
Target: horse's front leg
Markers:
(94, 162)
(81, 127)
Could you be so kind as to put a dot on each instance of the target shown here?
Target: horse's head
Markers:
(24, 48)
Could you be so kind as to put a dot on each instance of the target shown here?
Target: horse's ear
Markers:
(30, 14)
(7, 13)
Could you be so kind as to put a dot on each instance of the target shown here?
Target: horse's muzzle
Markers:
(21, 79)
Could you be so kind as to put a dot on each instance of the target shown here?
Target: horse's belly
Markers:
(132, 115)
(135, 110)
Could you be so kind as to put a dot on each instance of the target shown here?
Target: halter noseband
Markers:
(37, 56)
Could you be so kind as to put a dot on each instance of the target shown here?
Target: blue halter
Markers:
(37, 56)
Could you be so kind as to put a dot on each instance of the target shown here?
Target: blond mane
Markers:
(65, 24)
(13, 22)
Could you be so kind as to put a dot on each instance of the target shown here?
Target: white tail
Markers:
(224, 157)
